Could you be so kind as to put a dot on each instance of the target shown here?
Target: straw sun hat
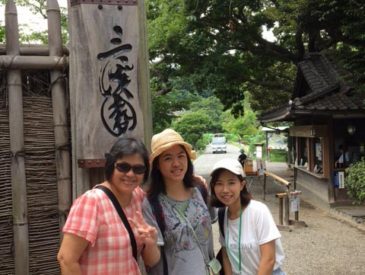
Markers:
(165, 140)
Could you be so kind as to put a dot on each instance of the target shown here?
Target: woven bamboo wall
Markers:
(6, 227)
(40, 166)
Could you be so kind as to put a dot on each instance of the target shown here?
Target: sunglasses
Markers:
(125, 167)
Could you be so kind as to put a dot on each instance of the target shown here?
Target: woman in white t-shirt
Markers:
(251, 241)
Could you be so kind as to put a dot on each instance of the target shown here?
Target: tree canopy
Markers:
(219, 46)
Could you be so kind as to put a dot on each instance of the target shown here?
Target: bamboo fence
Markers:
(31, 215)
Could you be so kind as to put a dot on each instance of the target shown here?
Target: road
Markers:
(328, 245)
(204, 164)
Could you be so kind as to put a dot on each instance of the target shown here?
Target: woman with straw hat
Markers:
(175, 206)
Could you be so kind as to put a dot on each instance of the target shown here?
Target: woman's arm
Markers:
(147, 235)
(70, 252)
(226, 263)
(267, 260)
(151, 255)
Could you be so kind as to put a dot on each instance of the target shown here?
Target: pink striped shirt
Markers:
(94, 218)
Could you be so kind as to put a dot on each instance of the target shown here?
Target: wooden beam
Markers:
(278, 179)
(37, 50)
(17, 62)
(309, 131)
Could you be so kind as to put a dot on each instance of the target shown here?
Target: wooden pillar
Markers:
(59, 105)
(18, 179)
(329, 155)
(109, 94)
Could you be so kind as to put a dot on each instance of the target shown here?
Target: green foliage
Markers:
(355, 181)
(2, 34)
(164, 107)
(226, 41)
(243, 126)
(191, 126)
(213, 108)
(278, 155)
(204, 116)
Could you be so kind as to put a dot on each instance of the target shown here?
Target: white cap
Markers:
(231, 165)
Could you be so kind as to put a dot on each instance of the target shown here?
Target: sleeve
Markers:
(83, 218)
(151, 220)
(266, 227)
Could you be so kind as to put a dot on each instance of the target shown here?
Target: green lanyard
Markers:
(239, 240)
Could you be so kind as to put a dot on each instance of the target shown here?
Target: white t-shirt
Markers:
(257, 228)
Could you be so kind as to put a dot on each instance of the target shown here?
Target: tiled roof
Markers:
(318, 73)
(335, 101)
(318, 89)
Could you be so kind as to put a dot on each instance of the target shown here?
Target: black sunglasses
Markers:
(125, 167)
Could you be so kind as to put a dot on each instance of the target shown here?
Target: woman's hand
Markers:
(147, 236)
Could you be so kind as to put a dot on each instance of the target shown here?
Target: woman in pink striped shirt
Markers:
(96, 240)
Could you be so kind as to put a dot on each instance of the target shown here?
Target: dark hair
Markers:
(244, 195)
(126, 146)
(157, 184)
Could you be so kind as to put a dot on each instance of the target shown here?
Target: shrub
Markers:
(355, 181)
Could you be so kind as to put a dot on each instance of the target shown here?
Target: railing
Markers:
(284, 211)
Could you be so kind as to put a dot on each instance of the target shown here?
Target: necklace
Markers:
(239, 240)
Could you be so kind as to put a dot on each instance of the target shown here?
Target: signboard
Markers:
(108, 79)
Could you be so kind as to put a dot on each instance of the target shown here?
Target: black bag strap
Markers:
(159, 215)
(122, 217)
(221, 212)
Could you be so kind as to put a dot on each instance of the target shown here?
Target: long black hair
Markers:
(126, 146)
(245, 196)
(157, 184)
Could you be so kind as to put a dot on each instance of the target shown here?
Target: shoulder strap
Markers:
(158, 213)
(221, 212)
(203, 191)
(122, 217)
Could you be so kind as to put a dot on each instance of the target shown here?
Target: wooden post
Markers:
(18, 180)
(264, 186)
(63, 159)
(109, 93)
(286, 208)
(144, 76)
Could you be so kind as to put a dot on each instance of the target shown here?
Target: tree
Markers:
(191, 126)
(225, 40)
(213, 108)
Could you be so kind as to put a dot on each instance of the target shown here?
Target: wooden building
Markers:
(327, 115)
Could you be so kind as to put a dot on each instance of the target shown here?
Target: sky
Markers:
(27, 20)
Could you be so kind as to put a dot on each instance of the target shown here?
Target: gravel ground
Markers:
(328, 245)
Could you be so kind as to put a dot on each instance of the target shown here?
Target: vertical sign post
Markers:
(109, 94)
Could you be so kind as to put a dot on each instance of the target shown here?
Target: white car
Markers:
(219, 145)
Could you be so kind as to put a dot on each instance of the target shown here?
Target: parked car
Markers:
(219, 144)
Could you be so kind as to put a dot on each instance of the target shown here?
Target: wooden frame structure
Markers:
(39, 127)
(35, 222)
